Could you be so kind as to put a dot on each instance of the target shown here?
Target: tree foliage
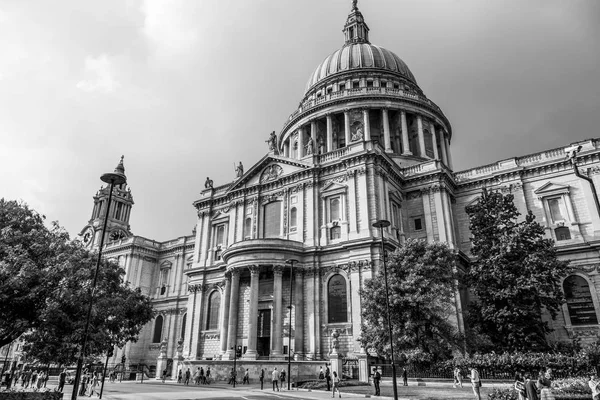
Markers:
(45, 284)
(514, 276)
(422, 282)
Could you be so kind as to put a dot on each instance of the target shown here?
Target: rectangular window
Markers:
(369, 83)
(164, 276)
(557, 209)
(418, 224)
(334, 209)
(342, 87)
(272, 224)
(219, 240)
(355, 84)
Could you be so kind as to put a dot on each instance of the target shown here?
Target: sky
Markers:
(185, 89)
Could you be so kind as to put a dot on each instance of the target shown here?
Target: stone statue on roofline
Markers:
(272, 142)
(208, 183)
(239, 170)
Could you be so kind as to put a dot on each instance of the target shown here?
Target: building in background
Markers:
(364, 144)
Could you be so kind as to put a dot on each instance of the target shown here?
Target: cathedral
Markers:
(278, 255)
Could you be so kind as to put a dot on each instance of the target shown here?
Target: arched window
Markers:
(158, 325)
(293, 219)
(579, 301)
(272, 225)
(183, 325)
(562, 233)
(214, 304)
(337, 306)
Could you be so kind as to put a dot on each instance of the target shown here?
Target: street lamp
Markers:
(382, 223)
(291, 262)
(112, 178)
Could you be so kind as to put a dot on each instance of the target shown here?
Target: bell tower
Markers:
(118, 220)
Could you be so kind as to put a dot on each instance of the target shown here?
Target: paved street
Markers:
(156, 390)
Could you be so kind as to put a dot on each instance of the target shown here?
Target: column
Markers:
(386, 131)
(447, 141)
(233, 314)
(405, 143)
(367, 124)
(277, 339)
(443, 147)
(225, 314)
(329, 133)
(299, 319)
(251, 352)
(286, 148)
(300, 142)
(436, 156)
(311, 325)
(347, 126)
(421, 136)
(313, 135)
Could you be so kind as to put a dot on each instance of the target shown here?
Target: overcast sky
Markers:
(186, 88)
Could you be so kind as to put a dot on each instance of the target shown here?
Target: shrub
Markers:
(502, 394)
(571, 386)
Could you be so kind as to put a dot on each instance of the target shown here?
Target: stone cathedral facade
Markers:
(279, 253)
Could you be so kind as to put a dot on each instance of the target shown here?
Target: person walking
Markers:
(544, 383)
(246, 378)
(179, 377)
(232, 377)
(275, 379)
(93, 384)
(475, 383)
(40, 380)
(262, 378)
(62, 378)
(457, 377)
(164, 375)
(594, 384)
(34, 376)
(83, 385)
(520, 387)
(328, 378)
(405, 376)
(196, 377)
(208, 375)
(282, 378)
(186, 382)
(321, 374)
(376, 381)
(202, 378)
(336, 385)
(531, 390)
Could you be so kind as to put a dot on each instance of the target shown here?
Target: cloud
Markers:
(99, 75)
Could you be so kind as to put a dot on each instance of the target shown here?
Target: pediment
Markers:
(333, 187)
(551, 188)
(269, 169)
(166, 264)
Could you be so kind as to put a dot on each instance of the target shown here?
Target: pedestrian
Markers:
(164, 375)
(34, 377)
(275, 379)
(531, 390)
(83, 385)
(208, 375)
(520, 387)
(40, 380)
(187, 377)
(336, 385)
(321, 374)
(376, 381)
(179, 377)
(262, 378)
(544, 383)
(202, 379)
(282, 378)
(46, 377)
(328, 378)
(475, 383)
(405, 376)
(232, 376)
(246, 378)
(93, 383)
(197, 376)
(62, 378)
(457, 377)
(594, 385)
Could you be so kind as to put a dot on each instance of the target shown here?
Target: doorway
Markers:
(263, 345)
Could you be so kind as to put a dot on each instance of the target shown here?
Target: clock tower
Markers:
(118, 220)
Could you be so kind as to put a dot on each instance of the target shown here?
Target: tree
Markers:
(422, 281)
(45, 283)
(515, 274)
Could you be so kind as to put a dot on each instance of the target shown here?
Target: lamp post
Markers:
(112, 178)
(382, 223)
(291, 262)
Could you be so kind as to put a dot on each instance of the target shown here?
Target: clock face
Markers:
(88, 237)
(117, 235)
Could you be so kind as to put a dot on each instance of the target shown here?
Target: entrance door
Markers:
(263, 345)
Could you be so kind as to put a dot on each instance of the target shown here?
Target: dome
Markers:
(356, 56)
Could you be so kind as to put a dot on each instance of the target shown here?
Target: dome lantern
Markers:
(355, 29)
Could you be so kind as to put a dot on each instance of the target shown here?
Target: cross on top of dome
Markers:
(356, 30)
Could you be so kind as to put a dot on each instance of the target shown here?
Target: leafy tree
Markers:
(47, 296)
(422, 282)
(514, 275)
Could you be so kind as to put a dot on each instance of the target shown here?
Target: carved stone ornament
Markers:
(270, 173)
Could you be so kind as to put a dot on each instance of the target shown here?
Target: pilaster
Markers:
(386, 130)
(277, 339)
(422, 151)
(405, 142)
(367, 124)
(251, 352)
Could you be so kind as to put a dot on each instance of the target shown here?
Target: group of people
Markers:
(377, 379)
(29, 378)
(200, 377)
(89, 384)
(332, 380)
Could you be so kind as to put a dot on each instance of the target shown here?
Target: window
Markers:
(383, 84)
(329, 90)
(293, 219)
(562, 233)
(418, 224)
(337, 307)
(557, 209)
(369, 83)
(158, 324)
(214, 304)
(335, 232)
(396, 86)
(219, 240)
(342, 86)
(183, 323)
(118, 210)
(248, 229)
(579, 301)
(272, 225)
(164, 279)
(334, 209)
(355, 84)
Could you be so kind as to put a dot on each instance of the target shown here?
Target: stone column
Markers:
(436, 156)
(277, 339)
(225, 314)
(405, 143)
(422, 152)
(329, 133)
(300, 142)
(367, 124)
(386, 130)
(347, 126)
(299, 319)
(286, 148)
(313, 136)
(233, 314)
(443, 147)
(251, 352)
(447, 142)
